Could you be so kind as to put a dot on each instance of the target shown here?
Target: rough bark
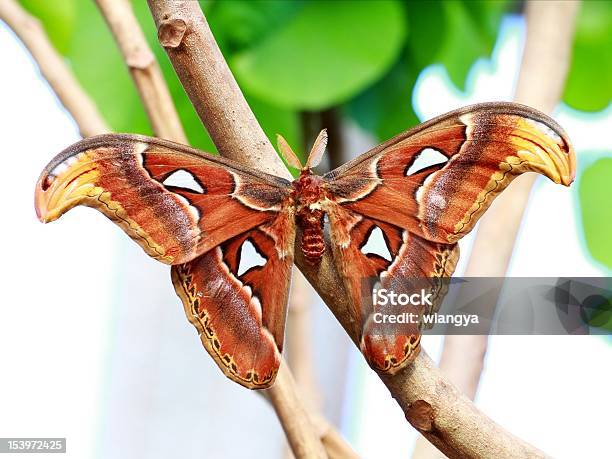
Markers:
(296, 422)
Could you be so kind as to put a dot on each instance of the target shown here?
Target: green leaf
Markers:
(452, 33)
(589, 82)
(385, 109)
(470, 30)
(488, 14)
(257, 19)
(99, 67)
(275, 120)
(326, 53)
(428, 28)
(58, 20)
(594, 193)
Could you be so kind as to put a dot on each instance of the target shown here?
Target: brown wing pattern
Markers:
(201, 227)
(124, 176)
(486, 146)
(198, 225)
(240, 318)
(413, 263)
(483, 148)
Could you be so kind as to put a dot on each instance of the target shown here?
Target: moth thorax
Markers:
(313, 243)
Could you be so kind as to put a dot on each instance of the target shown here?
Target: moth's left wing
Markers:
(197, 212)
(174, 201)
(433, 183)
(240, 312)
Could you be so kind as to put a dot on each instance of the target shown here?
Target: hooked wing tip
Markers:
(41, 198)
(63, 187)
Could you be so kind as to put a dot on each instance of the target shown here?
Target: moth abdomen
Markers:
(313, 243)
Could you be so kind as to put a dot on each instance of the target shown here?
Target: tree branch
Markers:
(298, 349)
(546, 59)
(211, 87)
(144, 69)
(296, 422)
(431, 404)
(156, 98)
(53, 68)
(298, 342)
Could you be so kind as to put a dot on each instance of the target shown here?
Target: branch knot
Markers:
(171, 32)
(139, 58)
(420, 414)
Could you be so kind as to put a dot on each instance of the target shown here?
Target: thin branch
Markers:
(299, 339)
(144, 69)
(299, 343)
(296, 422)
(335, 445)
(431, 404)
(53, 68)
(546, 58)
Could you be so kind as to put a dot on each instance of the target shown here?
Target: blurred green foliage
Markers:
(595, 192)
(58, 19)
(589, 83)
(359, 56)
(324, 55)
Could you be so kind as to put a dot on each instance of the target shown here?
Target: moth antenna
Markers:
(317, 150)
(288, 153)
